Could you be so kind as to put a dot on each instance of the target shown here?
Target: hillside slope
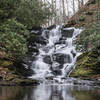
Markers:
(87, 14)
(88, 64)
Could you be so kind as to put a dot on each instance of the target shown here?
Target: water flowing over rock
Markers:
(57, 57)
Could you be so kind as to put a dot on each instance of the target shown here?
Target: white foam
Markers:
(41, 68)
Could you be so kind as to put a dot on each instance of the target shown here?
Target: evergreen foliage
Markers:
(28, 12)
(16, 17)
(90, 38)
(13, 37)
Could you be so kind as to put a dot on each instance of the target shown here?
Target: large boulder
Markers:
(73, 53)
(23, 69)
(67, 32)
(37, 39)
(47, 48)
(61, 41)
(87, 65)
(57, 72)
(56, 68)
(51, 27)
(47, 59)
(46, 34)
(62, 58)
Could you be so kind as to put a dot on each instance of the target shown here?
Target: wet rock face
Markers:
(61, 41)
(34, 40)
(62, 58)
(67, 32)
(37, 39)
(73, 53)
(24, 69)
(56, 72)
(46, 34)
(51, 27)
(56, 68)
(47, 59)
(47, 48)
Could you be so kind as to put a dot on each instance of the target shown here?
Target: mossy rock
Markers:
(87, 65)
(5, 63)
(27, 82)
(18, 81)
(81, 72)
(24, 82)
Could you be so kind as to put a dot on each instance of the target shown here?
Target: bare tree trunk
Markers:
(55, 12)
(52, 11)
(60, 20)
(67, 8)
(64, 14)
(79, 4)
(73, 6)
(82, 2)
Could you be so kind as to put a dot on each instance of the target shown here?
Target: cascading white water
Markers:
(57, 58)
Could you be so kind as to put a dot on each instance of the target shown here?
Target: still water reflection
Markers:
(49, 92)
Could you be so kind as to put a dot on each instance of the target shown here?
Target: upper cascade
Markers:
(57, 57)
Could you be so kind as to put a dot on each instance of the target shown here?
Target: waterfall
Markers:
(57, 58)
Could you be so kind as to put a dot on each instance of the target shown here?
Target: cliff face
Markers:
(88, 64)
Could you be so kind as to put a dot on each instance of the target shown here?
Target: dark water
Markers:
(50, 92)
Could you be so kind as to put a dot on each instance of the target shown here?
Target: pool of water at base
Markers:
(50, 92)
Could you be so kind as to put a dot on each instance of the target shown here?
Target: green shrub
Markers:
(16, 16)
(12, 38)
(89, 38)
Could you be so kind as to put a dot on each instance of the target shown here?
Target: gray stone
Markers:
(47, 60)
(62, 58)
(67, 32)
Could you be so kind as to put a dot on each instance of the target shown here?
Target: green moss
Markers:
(81, 72)
(24, 82)
(6, 63)
(87, 65)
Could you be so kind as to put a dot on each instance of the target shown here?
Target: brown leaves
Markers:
(2, 54)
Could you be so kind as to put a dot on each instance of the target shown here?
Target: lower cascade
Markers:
(56, 58)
